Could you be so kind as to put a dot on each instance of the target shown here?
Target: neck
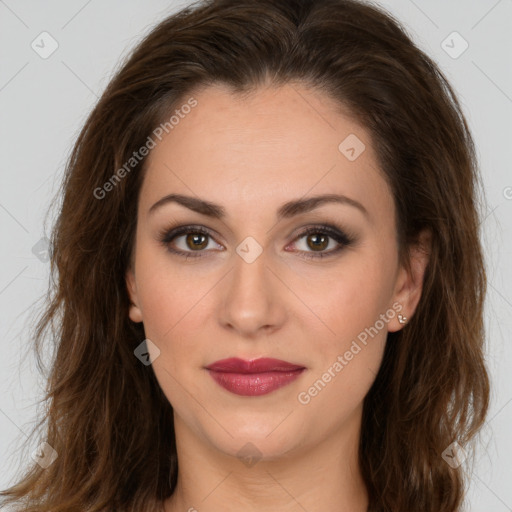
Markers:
(322, 477)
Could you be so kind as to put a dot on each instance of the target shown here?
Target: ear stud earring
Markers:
(402, 319)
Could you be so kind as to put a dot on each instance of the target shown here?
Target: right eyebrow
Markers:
(192, 203)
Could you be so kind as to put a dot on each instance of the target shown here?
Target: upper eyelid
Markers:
(193, 228)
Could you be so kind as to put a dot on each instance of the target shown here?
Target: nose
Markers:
(253, 302)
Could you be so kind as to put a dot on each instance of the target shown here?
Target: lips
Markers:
(262, 365)
(253, 378)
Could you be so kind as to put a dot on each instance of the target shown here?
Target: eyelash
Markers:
(167, 235)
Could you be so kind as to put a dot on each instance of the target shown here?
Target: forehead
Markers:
(264, 148)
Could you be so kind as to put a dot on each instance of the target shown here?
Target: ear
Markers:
(135, 312)
(409, 283)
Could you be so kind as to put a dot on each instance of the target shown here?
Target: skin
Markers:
(251, 155)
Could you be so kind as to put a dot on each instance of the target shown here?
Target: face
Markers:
(316, 284)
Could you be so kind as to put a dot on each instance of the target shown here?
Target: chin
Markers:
(259, 440)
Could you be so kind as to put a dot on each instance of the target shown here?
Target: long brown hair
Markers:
(106, 415)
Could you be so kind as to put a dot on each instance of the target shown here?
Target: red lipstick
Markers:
(253, 378)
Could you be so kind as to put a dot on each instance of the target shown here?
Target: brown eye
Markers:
(321, 241)
(196, 241)
(188, 241)
(317, 241)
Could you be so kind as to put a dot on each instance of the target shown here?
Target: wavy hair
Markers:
(105, 413)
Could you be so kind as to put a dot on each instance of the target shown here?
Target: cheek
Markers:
(353, 304)
(175, 300)
(164, 290)
(347, 362)
(351, 296)
(171, 305)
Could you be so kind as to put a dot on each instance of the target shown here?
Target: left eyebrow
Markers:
(306, 205)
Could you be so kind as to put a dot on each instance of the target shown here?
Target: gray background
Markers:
(44, 102)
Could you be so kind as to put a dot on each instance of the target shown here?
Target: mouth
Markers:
(253, 378)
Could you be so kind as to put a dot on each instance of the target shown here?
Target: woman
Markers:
(269, 282)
